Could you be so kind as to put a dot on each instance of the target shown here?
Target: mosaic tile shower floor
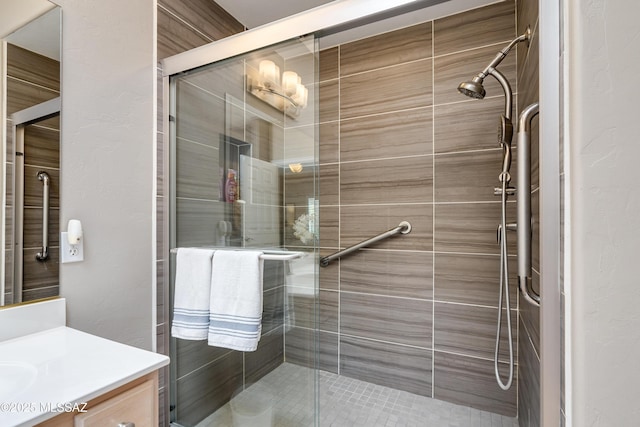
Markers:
(347, 402)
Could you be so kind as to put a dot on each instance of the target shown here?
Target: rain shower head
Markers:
(473, 88)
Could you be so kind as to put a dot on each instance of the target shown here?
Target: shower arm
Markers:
(524, 205)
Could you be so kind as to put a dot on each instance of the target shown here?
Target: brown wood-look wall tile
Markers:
(477, 27)
(200, 394)
(329, 275)
(530, 316)
(273, 309)
(22, 94)
(32, 233)
(471, 382)
(329, 101)
(392, 48)
(406, 133)
(328, 352)
(161, 299)
(225, 80)
(199, 176)
(472, 279)
(298, 187)
(392, 273)
(300, 347)
(471, 330)
(174, 36)
(200, 115)
(451, 70)
(470, 176)
(367, 360)
(32, 67)
(268, 356)
(39, 293)
(8, 270)
(528, 384)
(398, 320)
(160, 173)
(193, 355)
(196, 222)
(328, 63)
(304, 307)
(404, 180)
(470, 125)
(328, 311)
(160, 228)
(535, 230)
(528, 81)
(205, 15)
(329, 184)
(379, 91)
(40, 274)
(42, 147)
(470, 227)
(527, 16)
(358, 223)
(329, 142)
(329, 227)
(33, 187)
(9, 192)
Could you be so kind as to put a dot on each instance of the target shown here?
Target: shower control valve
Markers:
(497, 191)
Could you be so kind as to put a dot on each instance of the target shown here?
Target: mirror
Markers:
(30, 152)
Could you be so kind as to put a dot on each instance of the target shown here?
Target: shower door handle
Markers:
(44, 254)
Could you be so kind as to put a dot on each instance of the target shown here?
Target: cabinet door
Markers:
(137, 405)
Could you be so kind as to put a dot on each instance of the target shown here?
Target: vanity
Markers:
(53, 375)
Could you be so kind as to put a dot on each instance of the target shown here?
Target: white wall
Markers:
(107, 164)
(604, 136)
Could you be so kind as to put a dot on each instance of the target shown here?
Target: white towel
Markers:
(235, 319)
(192, 294)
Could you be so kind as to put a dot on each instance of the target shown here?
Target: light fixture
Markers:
(295, 167)
(285, 93)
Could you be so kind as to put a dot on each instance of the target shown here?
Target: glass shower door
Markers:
(244, 175)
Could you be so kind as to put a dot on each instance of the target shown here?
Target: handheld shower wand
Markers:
(475, 89)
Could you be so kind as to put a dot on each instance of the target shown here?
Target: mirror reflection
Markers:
(31, 139)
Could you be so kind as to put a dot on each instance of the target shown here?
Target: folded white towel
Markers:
(192, 293)
(235, 319)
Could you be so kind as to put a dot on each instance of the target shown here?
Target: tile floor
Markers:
(347, 402)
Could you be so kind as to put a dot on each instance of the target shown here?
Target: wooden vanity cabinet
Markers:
(135, 402)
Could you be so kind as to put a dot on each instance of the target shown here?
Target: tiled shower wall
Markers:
(32, 79)
(529, 316)
(182, 25)
(398, 142)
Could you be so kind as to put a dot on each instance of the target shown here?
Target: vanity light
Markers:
(285, 93)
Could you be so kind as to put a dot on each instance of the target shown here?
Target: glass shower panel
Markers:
(244, 175)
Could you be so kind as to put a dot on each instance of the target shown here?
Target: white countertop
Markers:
(61, 366)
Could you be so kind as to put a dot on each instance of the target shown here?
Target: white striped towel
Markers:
(235, 319)
(192, 294)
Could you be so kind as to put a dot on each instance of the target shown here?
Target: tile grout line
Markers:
(339, 208)
(433, 212)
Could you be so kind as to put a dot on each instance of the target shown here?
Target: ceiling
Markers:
(253, 13)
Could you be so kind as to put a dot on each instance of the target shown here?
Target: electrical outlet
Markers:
(70, 253)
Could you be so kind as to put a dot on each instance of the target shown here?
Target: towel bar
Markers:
(267, 255)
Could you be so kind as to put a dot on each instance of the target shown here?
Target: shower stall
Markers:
(307, 136)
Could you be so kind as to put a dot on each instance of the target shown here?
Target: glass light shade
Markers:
(301, 95)
(290, 80)
(269, 73)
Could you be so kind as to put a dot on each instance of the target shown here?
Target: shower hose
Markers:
(504, 289)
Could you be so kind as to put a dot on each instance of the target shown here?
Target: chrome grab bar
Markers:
(524, 204)
(403, 228)
(44, 254)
